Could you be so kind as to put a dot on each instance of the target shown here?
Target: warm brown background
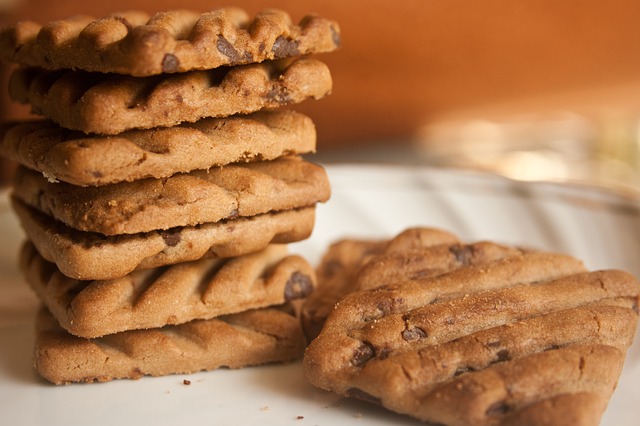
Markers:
(407, 62)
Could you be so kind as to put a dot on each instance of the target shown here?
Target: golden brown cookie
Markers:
(110, 104)
(394, 266)
(336, 277)
(76, 158)
(339, 268)
(484, 344)
(90, 256)
(202, 196)
(253, 337)
(175, 294)
(137, 44)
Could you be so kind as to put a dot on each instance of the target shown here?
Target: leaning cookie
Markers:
(91, 256)
(175, 294)
(484, 344)
(395, 266)
(203, 196)
(83, 160)
(111, 104)
(248, 338)
(341, 264)
(336, 276)
(137, 44)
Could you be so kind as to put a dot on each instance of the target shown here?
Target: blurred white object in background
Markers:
(558, 146)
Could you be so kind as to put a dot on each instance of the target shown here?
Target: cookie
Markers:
(339, 268)
(483, 344)
(248, 338)
(169, 295)
(395, 266)
(83, 160)
(336, 277)
(202, 196)
(137, 44)
(110, 104)
(90, 256)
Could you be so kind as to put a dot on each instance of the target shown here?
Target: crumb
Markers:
(186, 382)
(51, 178)
(299, 417)
(264, 408)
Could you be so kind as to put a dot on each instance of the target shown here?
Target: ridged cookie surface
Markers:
(175, 294)
(203, 196)
(253, 337)
(339, 268)
(90, 256)
(111, 104)
(509, 341)
(174, 41)
(76, 158)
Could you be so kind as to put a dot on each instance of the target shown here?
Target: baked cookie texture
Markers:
(516, 337)
(92, 256)
(247, 338)
(160, 188)
(351, 264)
(135, 43)
(91, 160)
(189, 199)
(110, 104)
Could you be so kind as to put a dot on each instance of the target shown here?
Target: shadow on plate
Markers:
(16, 357)
(289, 381)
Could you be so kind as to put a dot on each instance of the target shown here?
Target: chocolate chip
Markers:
(414, 333)
(171, 237)
(170, 63)
(462, 253)
(384, 353)
(363, 354)
(227, 49)
(503, 355)
(279, 94)
(500, 408)
(362, 395)
(284, 47)
(385, 306)
(335, 35)
(298, 286)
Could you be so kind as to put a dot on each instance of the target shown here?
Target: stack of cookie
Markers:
(160, 194)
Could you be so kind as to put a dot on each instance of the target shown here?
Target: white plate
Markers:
(601, 228)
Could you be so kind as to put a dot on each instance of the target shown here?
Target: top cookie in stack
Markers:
(163, 183)
(136, 44)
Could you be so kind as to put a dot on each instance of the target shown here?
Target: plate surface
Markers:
(599, 227)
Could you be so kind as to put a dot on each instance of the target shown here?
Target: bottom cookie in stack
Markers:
(181, 318)
(253, 337)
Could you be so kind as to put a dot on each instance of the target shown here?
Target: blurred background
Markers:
(533, 89)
